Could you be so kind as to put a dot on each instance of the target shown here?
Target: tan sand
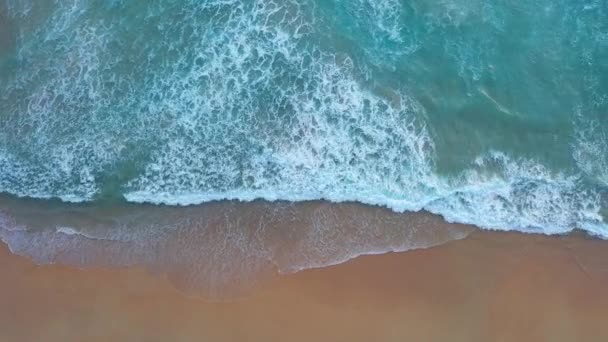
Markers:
(488, 287)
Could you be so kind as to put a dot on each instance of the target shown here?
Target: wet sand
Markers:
(487, 287)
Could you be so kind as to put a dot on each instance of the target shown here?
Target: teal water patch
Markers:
(490, 113)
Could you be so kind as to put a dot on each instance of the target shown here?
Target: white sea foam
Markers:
(520, 195)
(67, 231)
(590, 149)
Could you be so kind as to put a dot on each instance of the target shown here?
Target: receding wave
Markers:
(217, 250)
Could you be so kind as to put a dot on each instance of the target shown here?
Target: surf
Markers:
(408, 106)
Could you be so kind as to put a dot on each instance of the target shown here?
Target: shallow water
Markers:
(217, 250)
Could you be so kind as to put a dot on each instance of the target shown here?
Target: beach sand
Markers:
(488, 287)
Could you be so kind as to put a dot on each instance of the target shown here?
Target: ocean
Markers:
(233, 126)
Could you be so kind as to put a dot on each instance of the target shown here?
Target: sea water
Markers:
(491, 113)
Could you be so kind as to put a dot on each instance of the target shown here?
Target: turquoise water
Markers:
(493, 113)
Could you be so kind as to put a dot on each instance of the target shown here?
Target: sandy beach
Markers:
(488, 287)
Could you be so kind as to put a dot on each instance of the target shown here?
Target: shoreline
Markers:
(488, 286)
(217, 250)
